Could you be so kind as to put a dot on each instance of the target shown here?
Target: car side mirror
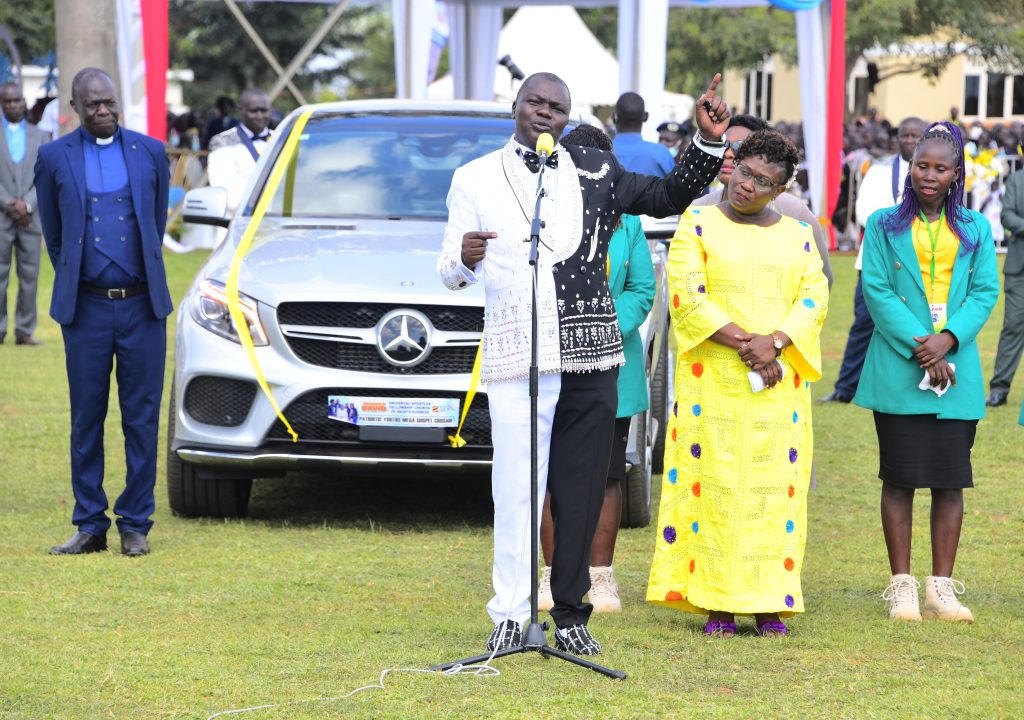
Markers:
(207, 206)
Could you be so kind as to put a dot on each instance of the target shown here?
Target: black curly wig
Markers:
(774, 147)
(588, 136)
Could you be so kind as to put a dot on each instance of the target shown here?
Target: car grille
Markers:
(366, 315)
(223, 402)
(308, 416)
(360, 357)
(365, 358)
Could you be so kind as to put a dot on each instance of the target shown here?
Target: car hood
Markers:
(293, 260)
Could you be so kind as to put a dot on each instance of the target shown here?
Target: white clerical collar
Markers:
(102, 142)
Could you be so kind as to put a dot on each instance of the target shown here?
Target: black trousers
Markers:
(581, 441)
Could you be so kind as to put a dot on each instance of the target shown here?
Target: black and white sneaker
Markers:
(577, 640)
(505, 634)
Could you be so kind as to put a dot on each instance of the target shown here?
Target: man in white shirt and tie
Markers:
(882, 187)
(234, 152)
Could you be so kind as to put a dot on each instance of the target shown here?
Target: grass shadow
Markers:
(398, 498)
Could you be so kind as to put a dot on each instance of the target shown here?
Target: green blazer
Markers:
(894, 294)
(631, 282)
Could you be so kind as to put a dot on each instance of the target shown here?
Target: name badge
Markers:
(938, 313)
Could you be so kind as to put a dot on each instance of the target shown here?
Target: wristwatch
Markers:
(777, 342)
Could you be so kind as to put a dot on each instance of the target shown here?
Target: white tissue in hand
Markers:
(926, 383)
(757, 382)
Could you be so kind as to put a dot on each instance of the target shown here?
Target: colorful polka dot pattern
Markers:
(695, 527)
(699, 230)
(796, 417)
(701, 289)
(695, 450)
(669, 533)
(697, 369)
(789, 564)
(790, 526)
(809, 303)
(792, 455)
(673, 595)
(790, 602)
(693, 565)
(695, 489)
(696, 410)
(673, 475)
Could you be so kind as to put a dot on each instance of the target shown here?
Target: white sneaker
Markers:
(902, 598)
(544, 600)
(604, 593)
(940, 601)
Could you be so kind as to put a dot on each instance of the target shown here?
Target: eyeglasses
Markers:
(734, 145)
(761, 181)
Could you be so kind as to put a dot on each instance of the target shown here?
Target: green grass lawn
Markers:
(333, 579)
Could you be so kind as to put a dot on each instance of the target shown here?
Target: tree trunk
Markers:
(86, 37)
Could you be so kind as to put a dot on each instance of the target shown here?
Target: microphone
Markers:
(512, 68)
(545, 146)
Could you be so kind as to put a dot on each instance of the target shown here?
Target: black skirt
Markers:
(921, 451)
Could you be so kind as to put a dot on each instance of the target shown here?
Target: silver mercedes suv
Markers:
(367, 354)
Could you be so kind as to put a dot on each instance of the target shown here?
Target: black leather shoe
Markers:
(27, 340)
(80, 544)
(996, 398)
(134, 544)
(836, 396)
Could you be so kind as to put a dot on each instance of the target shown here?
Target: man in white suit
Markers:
(490, 205)
(234, 152)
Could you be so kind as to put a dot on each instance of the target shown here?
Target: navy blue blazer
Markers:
(61, 194)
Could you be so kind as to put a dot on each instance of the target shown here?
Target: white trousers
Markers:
(509, 404)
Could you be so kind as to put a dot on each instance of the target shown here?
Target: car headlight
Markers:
(209, 308)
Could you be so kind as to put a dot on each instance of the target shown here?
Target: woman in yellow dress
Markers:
(748, 299)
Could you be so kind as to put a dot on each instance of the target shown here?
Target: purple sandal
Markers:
(720, 628)
(772, 629)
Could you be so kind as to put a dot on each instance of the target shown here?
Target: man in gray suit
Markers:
(20, 235)
(1011, 338)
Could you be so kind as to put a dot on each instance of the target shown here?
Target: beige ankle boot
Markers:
(544, 600)
(604, 592)
(940, 601)
(902, 598)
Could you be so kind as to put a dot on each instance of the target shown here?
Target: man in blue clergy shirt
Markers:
(102, 193)
(636, 154)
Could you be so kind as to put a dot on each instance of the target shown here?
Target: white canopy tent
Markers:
(588, 80)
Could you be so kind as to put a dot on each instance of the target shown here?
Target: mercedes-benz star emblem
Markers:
(403, 337)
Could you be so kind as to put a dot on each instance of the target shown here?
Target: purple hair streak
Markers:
(900, 219)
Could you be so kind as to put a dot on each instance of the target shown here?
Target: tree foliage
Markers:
(702, 41)
(206, 38)
(31, 24)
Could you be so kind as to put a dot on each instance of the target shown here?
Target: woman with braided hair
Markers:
(930, 283)
(748, 299)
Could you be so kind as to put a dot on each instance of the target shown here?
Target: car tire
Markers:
(659, 409)
(636, 491)
(190, 494)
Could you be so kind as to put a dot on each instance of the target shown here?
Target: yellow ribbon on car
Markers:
(474, 384)
(234, 302)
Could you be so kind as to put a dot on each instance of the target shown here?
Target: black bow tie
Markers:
(532, 160)
(264, 136)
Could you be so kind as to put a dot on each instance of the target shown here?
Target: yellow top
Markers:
(946, 248)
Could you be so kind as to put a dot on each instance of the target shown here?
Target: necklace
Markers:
(934, 238)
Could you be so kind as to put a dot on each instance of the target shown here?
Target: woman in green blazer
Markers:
(632, 285)
(930, 283)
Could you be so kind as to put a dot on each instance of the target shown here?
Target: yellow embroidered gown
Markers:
(732, 523)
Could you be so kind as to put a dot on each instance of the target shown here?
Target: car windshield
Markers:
(383, 166)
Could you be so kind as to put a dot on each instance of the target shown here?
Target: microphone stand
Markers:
(534, 638)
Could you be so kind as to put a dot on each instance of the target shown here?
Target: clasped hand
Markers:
(931, 355)
(758, 353)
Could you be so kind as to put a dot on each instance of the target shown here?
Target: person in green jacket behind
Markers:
(930, 283)
(632, 285)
